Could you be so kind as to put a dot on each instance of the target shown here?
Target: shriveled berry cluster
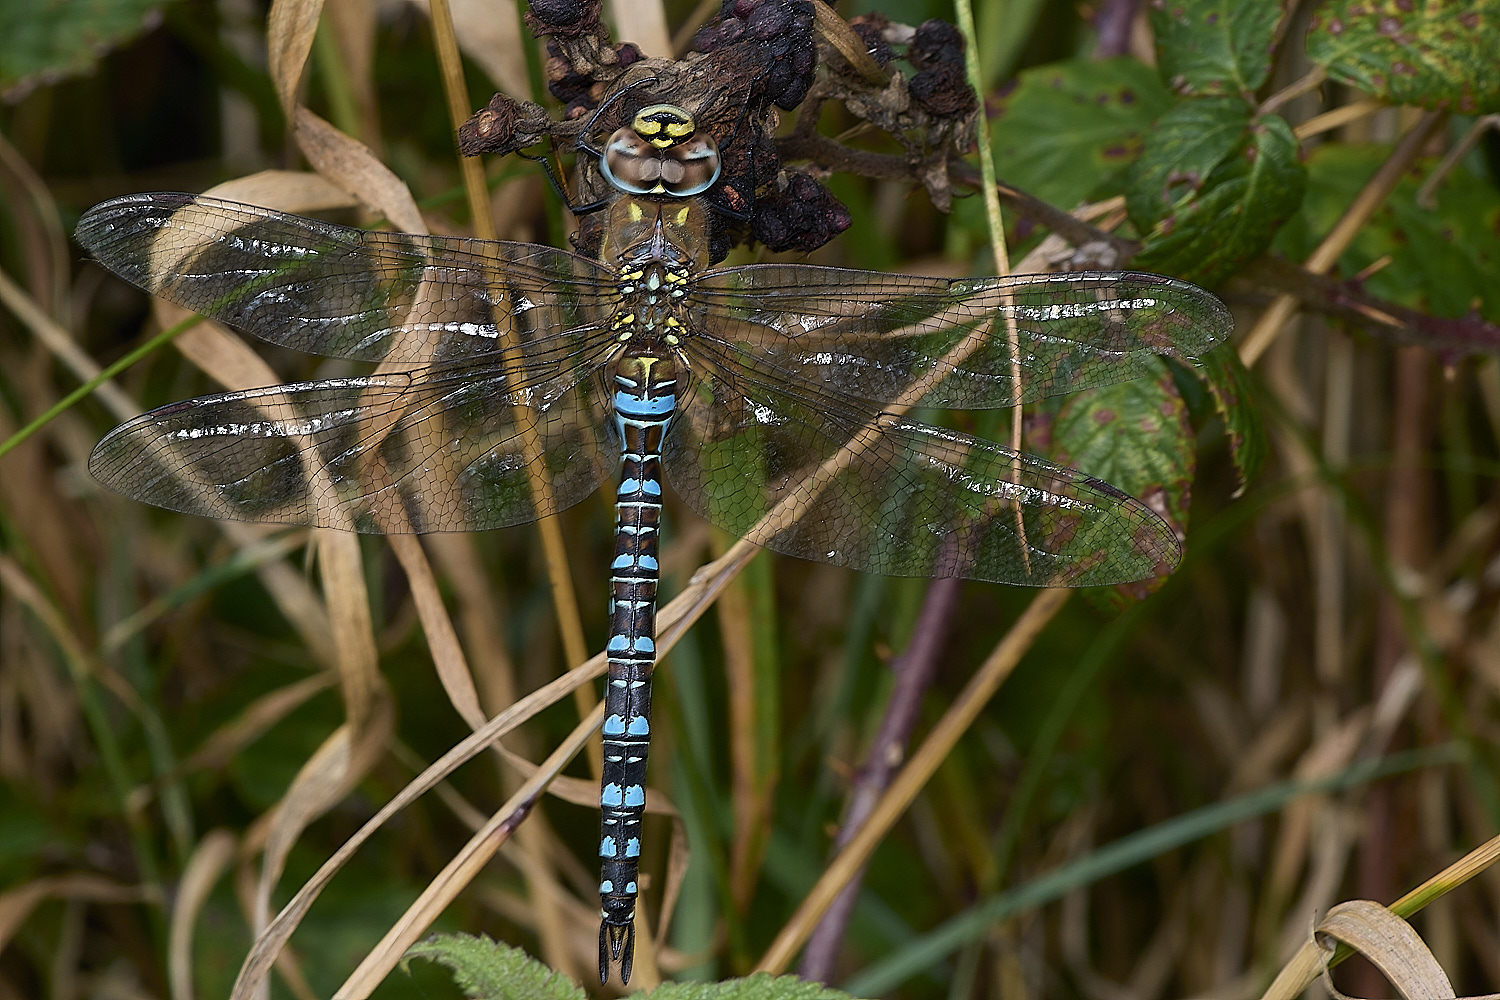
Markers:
(871, 30)
(941, 84)
(782, 30)
(803, 217)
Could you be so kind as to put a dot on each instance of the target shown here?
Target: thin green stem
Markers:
(166, 336)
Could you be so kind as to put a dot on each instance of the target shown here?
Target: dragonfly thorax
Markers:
(655, 248)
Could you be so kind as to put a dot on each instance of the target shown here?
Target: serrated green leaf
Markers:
(1435, 54)
(43, 41)
(1230, 383)
(488, 970)
(1134, 435)
(1067, 131)
(1182, 152)
(1443, 260)
(1211, 232)
(1209, 47)
(761, 986)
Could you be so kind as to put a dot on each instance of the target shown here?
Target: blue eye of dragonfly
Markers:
(514, 379)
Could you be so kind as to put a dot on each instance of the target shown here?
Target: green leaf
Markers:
(488, 970)
(1207, 199)
(1442, 260)
(1134, 435)
(43, 41)
(1436, 54)
(1230, 384)
(1215, 46)
(1066, 132)
(761, 986)
(1182, 151)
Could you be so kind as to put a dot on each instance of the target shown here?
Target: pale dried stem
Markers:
(564, 598)
(459, 872)
(1311, 81)
(1337, 118)
(676, 618)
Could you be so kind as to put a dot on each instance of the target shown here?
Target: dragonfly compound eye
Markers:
(661, 153)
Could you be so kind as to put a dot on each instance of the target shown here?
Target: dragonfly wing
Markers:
(883, 494)
(342, 292)
(441, 450)
(971, 343)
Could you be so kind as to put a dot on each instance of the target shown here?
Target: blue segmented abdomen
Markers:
(644, 401)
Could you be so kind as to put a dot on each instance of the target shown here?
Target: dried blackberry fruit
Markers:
(803, 217)
(936, 42)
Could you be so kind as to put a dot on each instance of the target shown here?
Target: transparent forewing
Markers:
(347, 293)
(870, 336)
(439, 450)
(846, 485)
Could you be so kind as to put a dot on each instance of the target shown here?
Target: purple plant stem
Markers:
(914, 671)
(1113, 22)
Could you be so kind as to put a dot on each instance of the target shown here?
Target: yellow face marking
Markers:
(636, 212)
(682, 216)
(663, 125)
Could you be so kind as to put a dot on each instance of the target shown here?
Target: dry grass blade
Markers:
(354, 167)
(269, 944)
(643, 22)
(334, 768)
(258, 717)
(1390, 943)
(842, 37)
(489, 32)
(913, 776)
(16, 904)
(676, 618)
(442, 638)
(208, 861)
(294, 191)
(1308, 962)
(290, 30)
(463, 868)
(52, 336)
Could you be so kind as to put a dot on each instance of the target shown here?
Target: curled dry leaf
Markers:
(353, 166)
(1391, 946)
(207, 863)
(442, 638)
(289, 37)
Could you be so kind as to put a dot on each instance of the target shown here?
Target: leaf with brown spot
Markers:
(1438, 54)
(1208, 47)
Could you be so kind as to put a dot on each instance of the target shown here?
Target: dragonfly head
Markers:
(661, 153)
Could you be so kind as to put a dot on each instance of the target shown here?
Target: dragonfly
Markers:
(509, 380)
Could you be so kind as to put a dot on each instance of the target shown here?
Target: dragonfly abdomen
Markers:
(644, 402)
